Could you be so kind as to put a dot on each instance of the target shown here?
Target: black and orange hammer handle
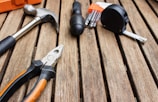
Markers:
(46, 74)
(19, 80)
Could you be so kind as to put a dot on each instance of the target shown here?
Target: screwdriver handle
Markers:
(76, 8)
(77, 21)
(6, 43)
(46, 74)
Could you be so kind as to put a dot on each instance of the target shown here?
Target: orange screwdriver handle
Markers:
(46, 74)
(19, 80)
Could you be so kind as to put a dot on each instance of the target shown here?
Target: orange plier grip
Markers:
(46, 74)
(19, 80)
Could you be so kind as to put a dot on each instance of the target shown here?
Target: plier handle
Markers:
(43, 68)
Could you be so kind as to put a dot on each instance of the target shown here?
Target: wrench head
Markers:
(45, 15)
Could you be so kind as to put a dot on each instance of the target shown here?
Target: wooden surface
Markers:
(98, 66)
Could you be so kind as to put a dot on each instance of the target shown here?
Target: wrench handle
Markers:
(6, 43)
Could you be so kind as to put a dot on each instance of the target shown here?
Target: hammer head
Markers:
(44, 14)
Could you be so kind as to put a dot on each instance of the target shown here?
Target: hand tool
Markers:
(77, 21)
(42, 15)
(7, 5)
(44, 68)
(115, 18)
(94, 15)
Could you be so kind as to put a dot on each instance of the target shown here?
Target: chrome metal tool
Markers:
(42, 15)
(43, 68)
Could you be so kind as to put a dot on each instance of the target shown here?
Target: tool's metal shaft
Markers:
(134, 36)
(26, 28)
(89, 18)
(93, 19)
(98, 17)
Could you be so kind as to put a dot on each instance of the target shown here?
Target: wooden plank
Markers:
(115, 70)
(47, 41)
(20, 60)
(2, 18)
(145, 85)
(118, 82)
(91, 71)
(150, 47)
(11, 23)
(154, 4)
(67, 76)
(151, 18)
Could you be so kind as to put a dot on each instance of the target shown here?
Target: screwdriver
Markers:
(77, 21)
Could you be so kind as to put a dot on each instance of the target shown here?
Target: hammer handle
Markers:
(27, 28)
(10, 41)
(6, 43)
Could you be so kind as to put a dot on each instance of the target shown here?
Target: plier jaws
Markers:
(52, 57)
(44, 68)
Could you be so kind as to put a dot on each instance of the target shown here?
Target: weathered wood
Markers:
(117, 79)
(67, 75)
(151, 18)
(118, 83)
(47, 41)
(9, 27)
(20, 59)
(150, 47)
(106, 75)
(154, 4)
(145, 85)
(2, 18)
(91, 71)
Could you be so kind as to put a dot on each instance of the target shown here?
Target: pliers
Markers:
(43, 68)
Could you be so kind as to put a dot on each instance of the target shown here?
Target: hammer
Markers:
(42, 15)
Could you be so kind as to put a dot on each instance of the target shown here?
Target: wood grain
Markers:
(11, 23)
(118, 83)
(2, 18)
(91, 71)
(67, 75)
(92, 77)
(142, 77)
(47, 41)
(20, 59)
(151, 19)
(154, 4)
(150, 47)
(98, 67)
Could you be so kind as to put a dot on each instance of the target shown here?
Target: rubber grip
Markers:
(35, 94)
(6, 43)
(11, 82)
(46, 74)
(11, 87)
(19, 80)
(76, 8)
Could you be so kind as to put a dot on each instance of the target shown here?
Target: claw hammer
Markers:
(42, 15)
